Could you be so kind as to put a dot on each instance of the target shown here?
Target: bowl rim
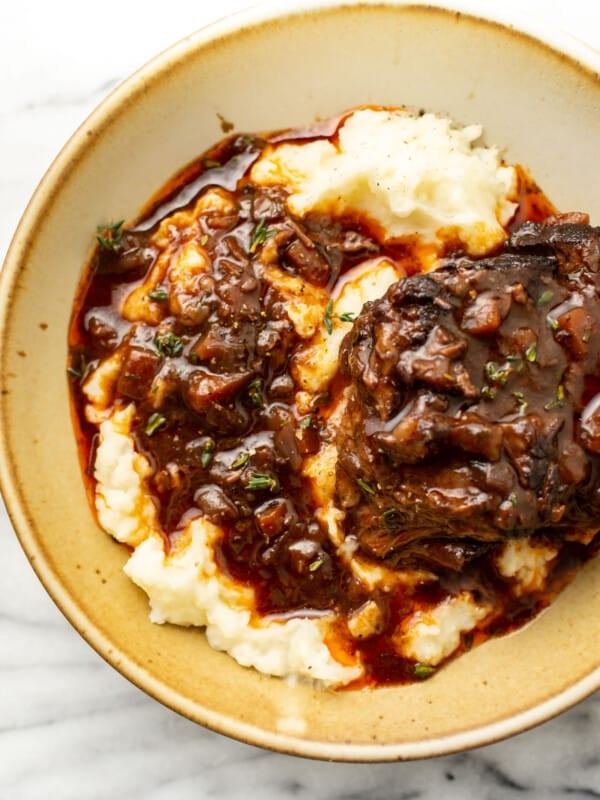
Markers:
(567, 46)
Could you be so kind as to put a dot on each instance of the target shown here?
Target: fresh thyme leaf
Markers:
(517, 361)
(169, 345)
(258, 482)
(488, 392)
(531, 352)
(159, 294)
(204, 239)
(560, 397)
(306, 422)
(207, 453)
(552, 405)
(422, 671)
(154, 423)
(520, 398)
(255, 393)
(390, 519)
(513, 499)
(365, 486)
(327, 318)
(240, 460)
(316, 564)
(193, 358)
(260, 235)
(545, 297)
(496, 375)
(109, 236)
(553, 323)
(78, 366)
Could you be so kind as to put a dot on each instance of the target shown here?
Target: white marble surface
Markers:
(70, 726)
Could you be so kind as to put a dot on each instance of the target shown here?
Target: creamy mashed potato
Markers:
(186, 588)
(409, 174)
(419, 177)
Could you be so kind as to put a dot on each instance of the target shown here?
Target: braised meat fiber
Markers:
(474, 404)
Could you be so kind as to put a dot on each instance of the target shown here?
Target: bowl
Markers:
(270, 67)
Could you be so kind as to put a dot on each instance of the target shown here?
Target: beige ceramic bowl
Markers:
(269, 68)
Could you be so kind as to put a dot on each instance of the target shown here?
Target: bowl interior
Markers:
(544, 108)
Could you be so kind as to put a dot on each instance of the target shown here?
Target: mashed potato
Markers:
(415, 178)
(410, 175)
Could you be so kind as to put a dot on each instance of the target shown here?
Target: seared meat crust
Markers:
(473, 413)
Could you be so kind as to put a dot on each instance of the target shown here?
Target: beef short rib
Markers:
(474, 401)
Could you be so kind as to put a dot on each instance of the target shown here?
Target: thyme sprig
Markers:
(155, 422)
(258, 482)
(169, 345)
(329, 316)
(109, 236)
(207, 453)
(260, 235)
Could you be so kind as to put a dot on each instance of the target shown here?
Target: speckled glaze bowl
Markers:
(276, 66)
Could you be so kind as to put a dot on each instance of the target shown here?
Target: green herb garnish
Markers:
(488, 392)
(545, 297)
(552, 322)
(259, 482)
(531, 352)
(240, 460)
(496, 375)
(207, 453)
(109, 236)
(365, 486)
(204, 239)
(390, 519)
(210, 163)
(327, 317)
(552, 405)
(315, 565)
(159, 294)
(154, 423)
(193, 358)
(255, 393)
(260, 235)
(422, 671)
(517, 361)
(560, 396)
(513, 499)
(520, 398)
(306, 422)
(169, 345)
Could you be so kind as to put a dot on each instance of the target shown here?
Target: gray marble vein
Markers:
(72, 728)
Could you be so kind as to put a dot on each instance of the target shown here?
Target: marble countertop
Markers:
(72, 727)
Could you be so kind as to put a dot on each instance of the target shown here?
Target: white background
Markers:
(71, 727)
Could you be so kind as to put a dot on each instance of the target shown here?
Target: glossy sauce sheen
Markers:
(231, 443)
